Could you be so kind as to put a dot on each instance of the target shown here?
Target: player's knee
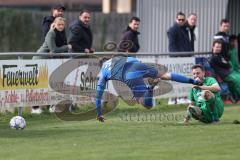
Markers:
(190, 106)
(206, 94)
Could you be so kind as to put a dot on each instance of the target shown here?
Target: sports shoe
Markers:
(215, 122)
(196, 114)
(36, 111)
(172, 101)
(183, 100)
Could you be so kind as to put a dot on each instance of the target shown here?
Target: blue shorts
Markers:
(134, 73)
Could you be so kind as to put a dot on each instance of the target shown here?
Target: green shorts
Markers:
(212, 110)
(233, 81)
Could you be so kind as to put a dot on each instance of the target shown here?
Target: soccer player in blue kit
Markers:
(132, 72)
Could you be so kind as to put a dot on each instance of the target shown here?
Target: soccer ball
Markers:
(17, 122)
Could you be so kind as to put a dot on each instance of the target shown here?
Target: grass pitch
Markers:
(128, 133)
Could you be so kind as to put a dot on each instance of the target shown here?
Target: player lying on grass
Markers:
(132, 72)
(206, 103)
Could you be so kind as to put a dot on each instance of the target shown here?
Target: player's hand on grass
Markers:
(101, 118)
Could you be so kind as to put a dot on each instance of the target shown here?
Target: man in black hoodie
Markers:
(80, 34)
(57, 11)
(129, 41)
(223, 36)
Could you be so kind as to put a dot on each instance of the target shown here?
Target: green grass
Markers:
(122, 137)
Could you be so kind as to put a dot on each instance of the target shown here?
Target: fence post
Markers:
(20, 108)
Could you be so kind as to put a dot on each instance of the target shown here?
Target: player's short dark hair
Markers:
(134, 19)
(192, 14)
(58, 7)
(198, 66)
(217, 41)
(83, 11)
(180, 13)
(224, 20)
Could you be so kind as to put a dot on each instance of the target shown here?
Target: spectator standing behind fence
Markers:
(223, 36)
(178, 35)
(55, 42)
(80, 34)
(190, 27)
(224, 69)
(129, 41)
(57, 11)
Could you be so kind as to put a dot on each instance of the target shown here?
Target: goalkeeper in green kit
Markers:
(206, 103)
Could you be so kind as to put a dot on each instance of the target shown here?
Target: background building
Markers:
(71, 5)
(158, 15)
(28, 16)
(105, 6)
(119, 6)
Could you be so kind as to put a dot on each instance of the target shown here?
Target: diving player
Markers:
(132, 72)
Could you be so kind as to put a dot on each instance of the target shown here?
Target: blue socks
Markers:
(182, 79)
(148, 98)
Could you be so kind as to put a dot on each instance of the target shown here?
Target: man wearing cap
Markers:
(57, 11)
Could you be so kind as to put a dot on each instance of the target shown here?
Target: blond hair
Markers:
(57, 19)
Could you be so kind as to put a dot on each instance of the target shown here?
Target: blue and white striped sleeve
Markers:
(100, 90)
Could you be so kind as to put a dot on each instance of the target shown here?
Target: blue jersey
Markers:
(125, 69)
(114, 68)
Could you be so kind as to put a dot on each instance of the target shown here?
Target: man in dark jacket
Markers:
(190, 26)
(223, 36)
(129, 41)
(80, 34)
(178, 36)
(57, 11)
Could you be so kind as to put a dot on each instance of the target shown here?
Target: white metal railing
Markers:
(173, 54)
(28, 55)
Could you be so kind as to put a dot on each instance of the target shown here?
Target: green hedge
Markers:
(20, 31)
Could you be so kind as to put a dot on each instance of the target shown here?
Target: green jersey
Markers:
(233, 54)
(213, 108)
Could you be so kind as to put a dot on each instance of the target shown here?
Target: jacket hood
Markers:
(49, 18)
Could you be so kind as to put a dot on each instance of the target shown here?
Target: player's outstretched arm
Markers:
(100, 90)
